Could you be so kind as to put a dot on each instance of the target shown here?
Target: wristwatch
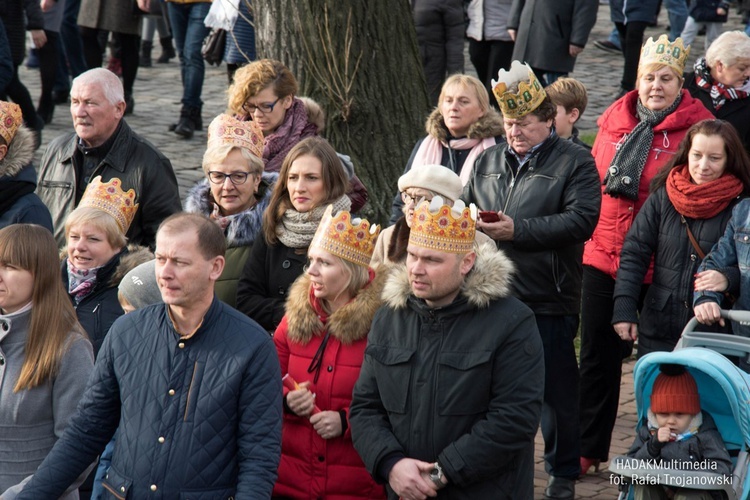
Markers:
(436, 475)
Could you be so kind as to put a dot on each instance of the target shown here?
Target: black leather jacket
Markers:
(135, 161)
(554, 201)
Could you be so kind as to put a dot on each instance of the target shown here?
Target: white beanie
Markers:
(436, 178)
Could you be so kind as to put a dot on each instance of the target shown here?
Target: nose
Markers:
(515, 130)
(312, 269)
(227, 184)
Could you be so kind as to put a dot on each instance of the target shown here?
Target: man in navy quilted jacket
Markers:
(193, 386)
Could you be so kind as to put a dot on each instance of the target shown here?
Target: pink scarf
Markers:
(294, 128)
(430, 152)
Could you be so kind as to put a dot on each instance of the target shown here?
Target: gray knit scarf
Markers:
(297, 228)
(624, 173)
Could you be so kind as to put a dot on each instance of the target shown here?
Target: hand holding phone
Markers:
(489, 216)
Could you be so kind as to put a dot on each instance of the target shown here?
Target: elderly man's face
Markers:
(525, 133)
(95, 118)
(436, 276)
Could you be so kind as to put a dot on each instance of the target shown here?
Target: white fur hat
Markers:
(436, 178)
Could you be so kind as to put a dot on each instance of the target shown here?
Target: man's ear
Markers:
(575, 114)
(467, 263)
(3, 151)
(217, 267)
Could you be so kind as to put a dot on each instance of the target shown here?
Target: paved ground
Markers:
(157, 96)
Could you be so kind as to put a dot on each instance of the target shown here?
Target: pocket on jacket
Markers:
(116, 485)
(394, 375)
(742, 247)
(208, 494)
(656, 317)
(463, 385)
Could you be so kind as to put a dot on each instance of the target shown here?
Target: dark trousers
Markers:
(560, 410)
(602, 352)
(93, 49)
(48, 61)
(631, 40)
(19, 94)
(488, 57)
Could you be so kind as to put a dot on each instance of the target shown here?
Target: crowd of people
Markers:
(151, 345)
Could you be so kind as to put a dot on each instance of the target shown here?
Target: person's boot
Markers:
(187, 124)
(129, 103)
(167, 50)
(46, 109)
(145, 59)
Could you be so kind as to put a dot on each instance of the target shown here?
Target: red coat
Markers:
(312, 467)
(617, 214)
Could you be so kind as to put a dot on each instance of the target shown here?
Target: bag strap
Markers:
(693, 241)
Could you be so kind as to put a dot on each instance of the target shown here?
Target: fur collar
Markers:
(489, 280)
(244, 227)
(490, 125)
(20, 153)
(349, 324)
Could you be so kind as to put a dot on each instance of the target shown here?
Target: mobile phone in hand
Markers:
(489, 216)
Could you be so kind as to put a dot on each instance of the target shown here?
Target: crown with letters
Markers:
(10, 119)
(662, 51)
(225, 129)
(110, 198)
(350, 239)
(437, 226)
(530, 91)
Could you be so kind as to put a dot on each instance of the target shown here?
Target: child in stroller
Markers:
(679, 435)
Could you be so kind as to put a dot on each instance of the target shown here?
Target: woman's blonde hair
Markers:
(32, 248)
(216, 154)
(357, 277)
(251, 79)
(100, 219)
(655, 66)
(470, 83)
(335, 180)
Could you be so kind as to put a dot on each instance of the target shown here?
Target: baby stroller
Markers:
(724, 392)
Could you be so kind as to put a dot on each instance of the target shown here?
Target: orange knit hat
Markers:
(675, 391)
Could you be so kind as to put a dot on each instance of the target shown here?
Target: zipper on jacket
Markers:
(190, 391)
(512, 182)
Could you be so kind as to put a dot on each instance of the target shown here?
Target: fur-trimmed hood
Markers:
(244, 227)
(490, 279)
(20, 153)
(490, 125)
(348, 324)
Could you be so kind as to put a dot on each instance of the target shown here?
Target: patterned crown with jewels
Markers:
(225, 129)
(530, 91)
(662, 51)
(10, 119)
(110, 198)
(439, 227)
(350, 239)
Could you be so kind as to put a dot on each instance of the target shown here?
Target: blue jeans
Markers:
(678, 14)
(189, 31)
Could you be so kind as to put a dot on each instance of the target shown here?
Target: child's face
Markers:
(126, 306)
(677, 422)
(564, 121)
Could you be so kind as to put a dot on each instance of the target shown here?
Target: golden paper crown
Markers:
(110, 198)
(439, 227)
(530, 91)
(225, 129)
(662, 51)
(350, 239)
(10, 119)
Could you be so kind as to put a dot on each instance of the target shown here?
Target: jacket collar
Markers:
(348, 324)
(116, 157)
(490, 125)
(490, 279)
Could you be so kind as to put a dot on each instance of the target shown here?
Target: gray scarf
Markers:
(297, 228)
(624, 173)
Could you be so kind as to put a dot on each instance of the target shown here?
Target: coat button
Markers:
(613, 170)
(282, 290)
(171, 392)
(2, 361)
(743, 239)
(181, 345)
(626, 180)
(286, 264)
(4, 324)
(330, 368)
(122, 488)
(161, 439)
(153, 487)
(693, 257)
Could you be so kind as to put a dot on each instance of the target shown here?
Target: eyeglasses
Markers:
(409, 199)
(264, 108)
(237, 178)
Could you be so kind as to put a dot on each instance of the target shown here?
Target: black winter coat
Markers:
(268, 273)
(199, 418)
(554, 202)
(100, 308)
(659, 233)
(735, 112)
(460, 384)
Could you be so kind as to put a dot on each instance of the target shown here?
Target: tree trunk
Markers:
(359, 60)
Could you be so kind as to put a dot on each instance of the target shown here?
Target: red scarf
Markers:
(701, 201)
